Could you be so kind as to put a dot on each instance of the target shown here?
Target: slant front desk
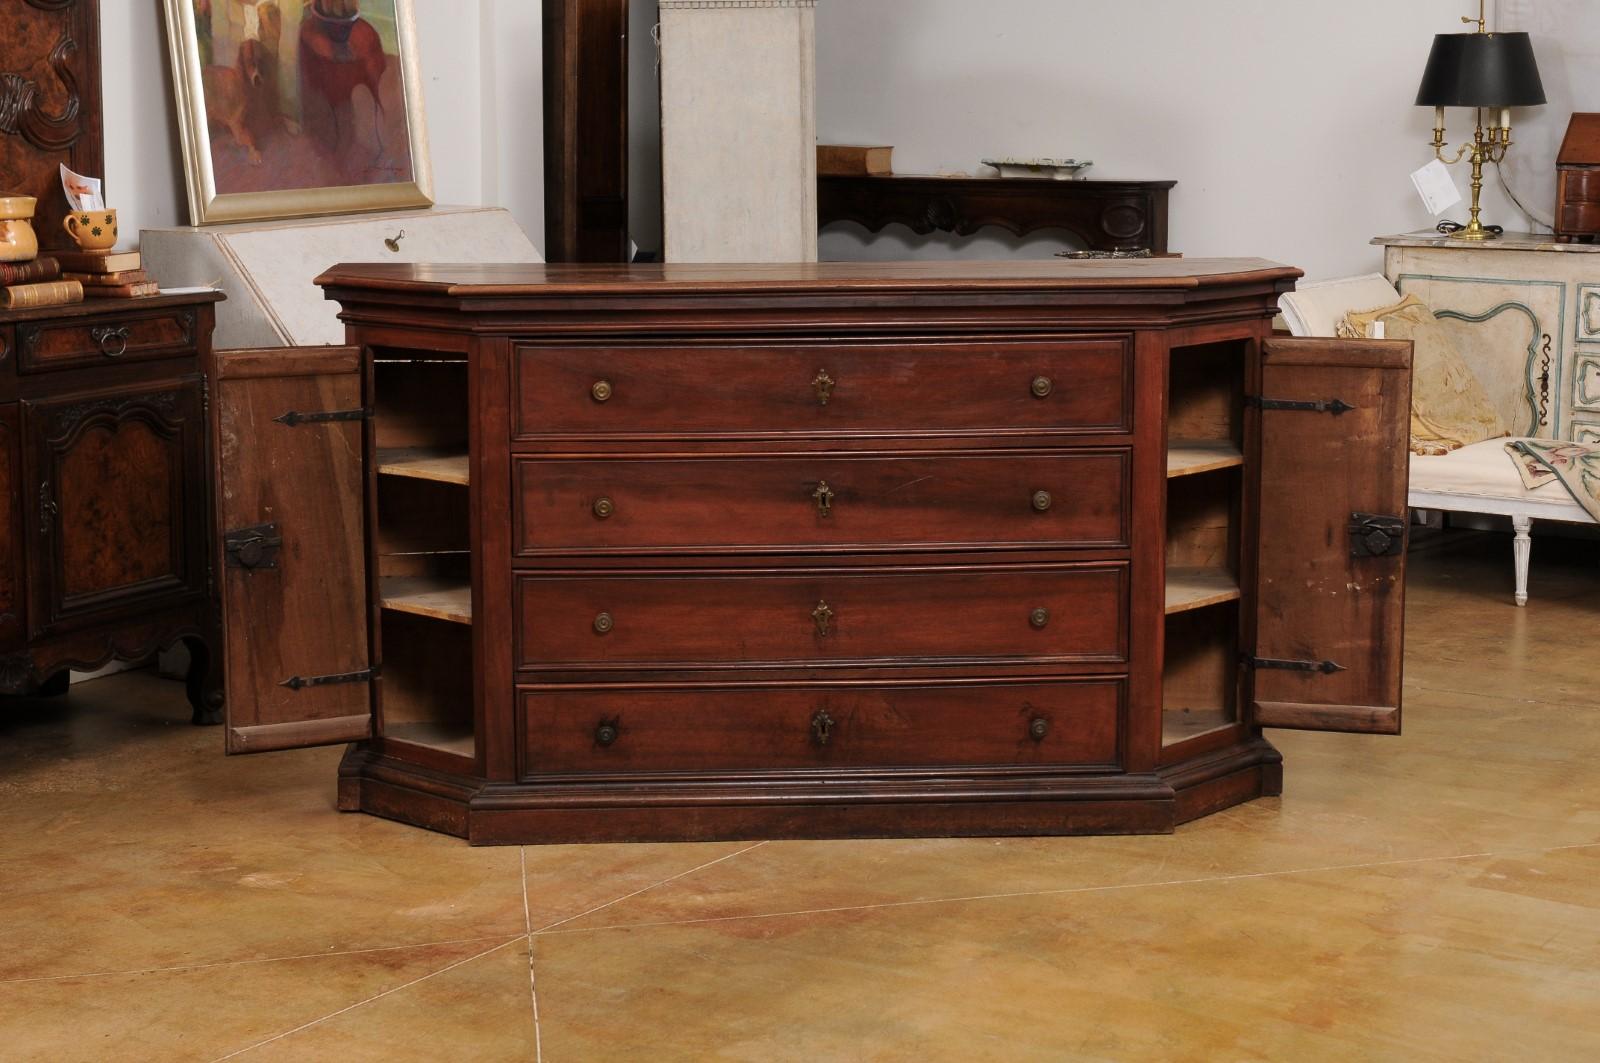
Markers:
(597, 553)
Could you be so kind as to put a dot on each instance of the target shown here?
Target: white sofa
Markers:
(1475, 479)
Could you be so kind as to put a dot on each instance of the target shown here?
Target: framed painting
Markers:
(294, 108)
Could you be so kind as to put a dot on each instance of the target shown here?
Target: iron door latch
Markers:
(300, 682)
(1278, 664)
(295, 417)
(1333, 406)
(253, 547)
(1372, 535)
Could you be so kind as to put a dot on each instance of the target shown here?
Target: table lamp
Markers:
(1481, 70)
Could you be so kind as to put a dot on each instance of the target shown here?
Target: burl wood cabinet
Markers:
(105, 509)
(598, 553)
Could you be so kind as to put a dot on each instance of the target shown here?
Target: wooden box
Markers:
(1578, 181)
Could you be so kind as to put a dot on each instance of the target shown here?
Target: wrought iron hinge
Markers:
(1372, 535)
(295, 417)
(1325, 667)
(47, 509)
(299, 682)
(205, 397)
(1333, 406)
(253, 547)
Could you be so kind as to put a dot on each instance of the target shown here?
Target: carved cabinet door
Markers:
(1329, 580)
(114, 503)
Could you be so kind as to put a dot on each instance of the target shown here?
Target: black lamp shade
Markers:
(1481, 70)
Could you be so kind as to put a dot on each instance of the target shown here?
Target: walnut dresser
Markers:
(578, 553)
(105, 513)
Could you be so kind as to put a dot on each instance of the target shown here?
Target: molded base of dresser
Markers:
(878, 804)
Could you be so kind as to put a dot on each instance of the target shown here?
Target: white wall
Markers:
(481, 84)
(1566, 40)
(1288, 124)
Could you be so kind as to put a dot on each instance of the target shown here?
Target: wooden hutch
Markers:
(598, 553)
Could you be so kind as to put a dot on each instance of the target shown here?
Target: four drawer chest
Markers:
(577, 553)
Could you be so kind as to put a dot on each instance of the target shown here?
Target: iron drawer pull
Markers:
(1042, 501)
(607, 732)
(105, 336)
(1038, 727)
(1041, 386)
(1039, 617)
(603, 624)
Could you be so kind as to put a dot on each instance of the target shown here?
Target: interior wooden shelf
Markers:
(430, 596)
(1196, 588)
(1186, 457)
(433, 735)
(1180, 725)
(441, 466)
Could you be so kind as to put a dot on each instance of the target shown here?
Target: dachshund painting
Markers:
(339, 52)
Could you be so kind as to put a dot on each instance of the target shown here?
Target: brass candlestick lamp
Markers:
(1481, 70)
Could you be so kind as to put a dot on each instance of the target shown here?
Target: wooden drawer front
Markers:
(105, 340)
(749, 728)
(821, 502)
(894, 615)
(670, 393)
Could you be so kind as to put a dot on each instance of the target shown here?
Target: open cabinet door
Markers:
(1329, 587)
(290, 503)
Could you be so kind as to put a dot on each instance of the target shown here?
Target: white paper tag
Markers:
(83, 193)
(1436, 187)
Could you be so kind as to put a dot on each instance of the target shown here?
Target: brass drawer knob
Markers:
(823, 497)
(1038, 727)
(604, 507)
(1039, 617)
(823, 616)
(607, 733)
(823, 385)
(821, 727)
(1041, 386)
(1042, 501)
(603, 623)
(601, 390)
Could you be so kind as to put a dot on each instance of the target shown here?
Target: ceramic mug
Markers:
(94, 230)
(18, 243)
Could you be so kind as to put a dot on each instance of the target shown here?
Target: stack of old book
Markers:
(107, 274)
(37, 282)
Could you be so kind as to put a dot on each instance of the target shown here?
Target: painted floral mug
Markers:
(94, 230)
(18, 243)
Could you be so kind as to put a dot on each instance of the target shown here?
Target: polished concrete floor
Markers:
(1429, 897)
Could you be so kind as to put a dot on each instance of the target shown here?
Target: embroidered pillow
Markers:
(1449, 408)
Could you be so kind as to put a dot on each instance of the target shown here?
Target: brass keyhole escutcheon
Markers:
(601, 390)
(1039, 617)
(823, 497)
(1041, 386)
(823, 385)
(1042, 501)
(393, 242)
(603, 623)
(821, 727)
(1038, 727)
(604, 507)
(607, 732)
(823, 616)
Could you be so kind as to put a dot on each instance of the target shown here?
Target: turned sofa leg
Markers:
(1521, 547)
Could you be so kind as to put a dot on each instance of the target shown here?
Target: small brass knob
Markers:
(1038, 727)
(607, 732)
(1042, 500)
(1039, 617)
(604, 507)
(603, 623)
(601, 390)
(1041, 386)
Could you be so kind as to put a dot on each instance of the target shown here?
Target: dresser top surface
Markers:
(1506, 242)
(1053, 275)
(101, 307)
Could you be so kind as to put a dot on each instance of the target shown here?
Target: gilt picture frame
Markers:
(298, 108)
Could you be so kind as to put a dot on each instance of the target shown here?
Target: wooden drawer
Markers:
(756, 727)
(105, 340)
(774, 391)
(890, 615)
(823, 502)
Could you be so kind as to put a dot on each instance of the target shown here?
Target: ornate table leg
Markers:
(204, 681)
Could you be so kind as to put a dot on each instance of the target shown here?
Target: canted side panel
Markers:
(296, 609)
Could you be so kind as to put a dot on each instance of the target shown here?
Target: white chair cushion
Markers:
(1317, 309)
(1483, 470)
